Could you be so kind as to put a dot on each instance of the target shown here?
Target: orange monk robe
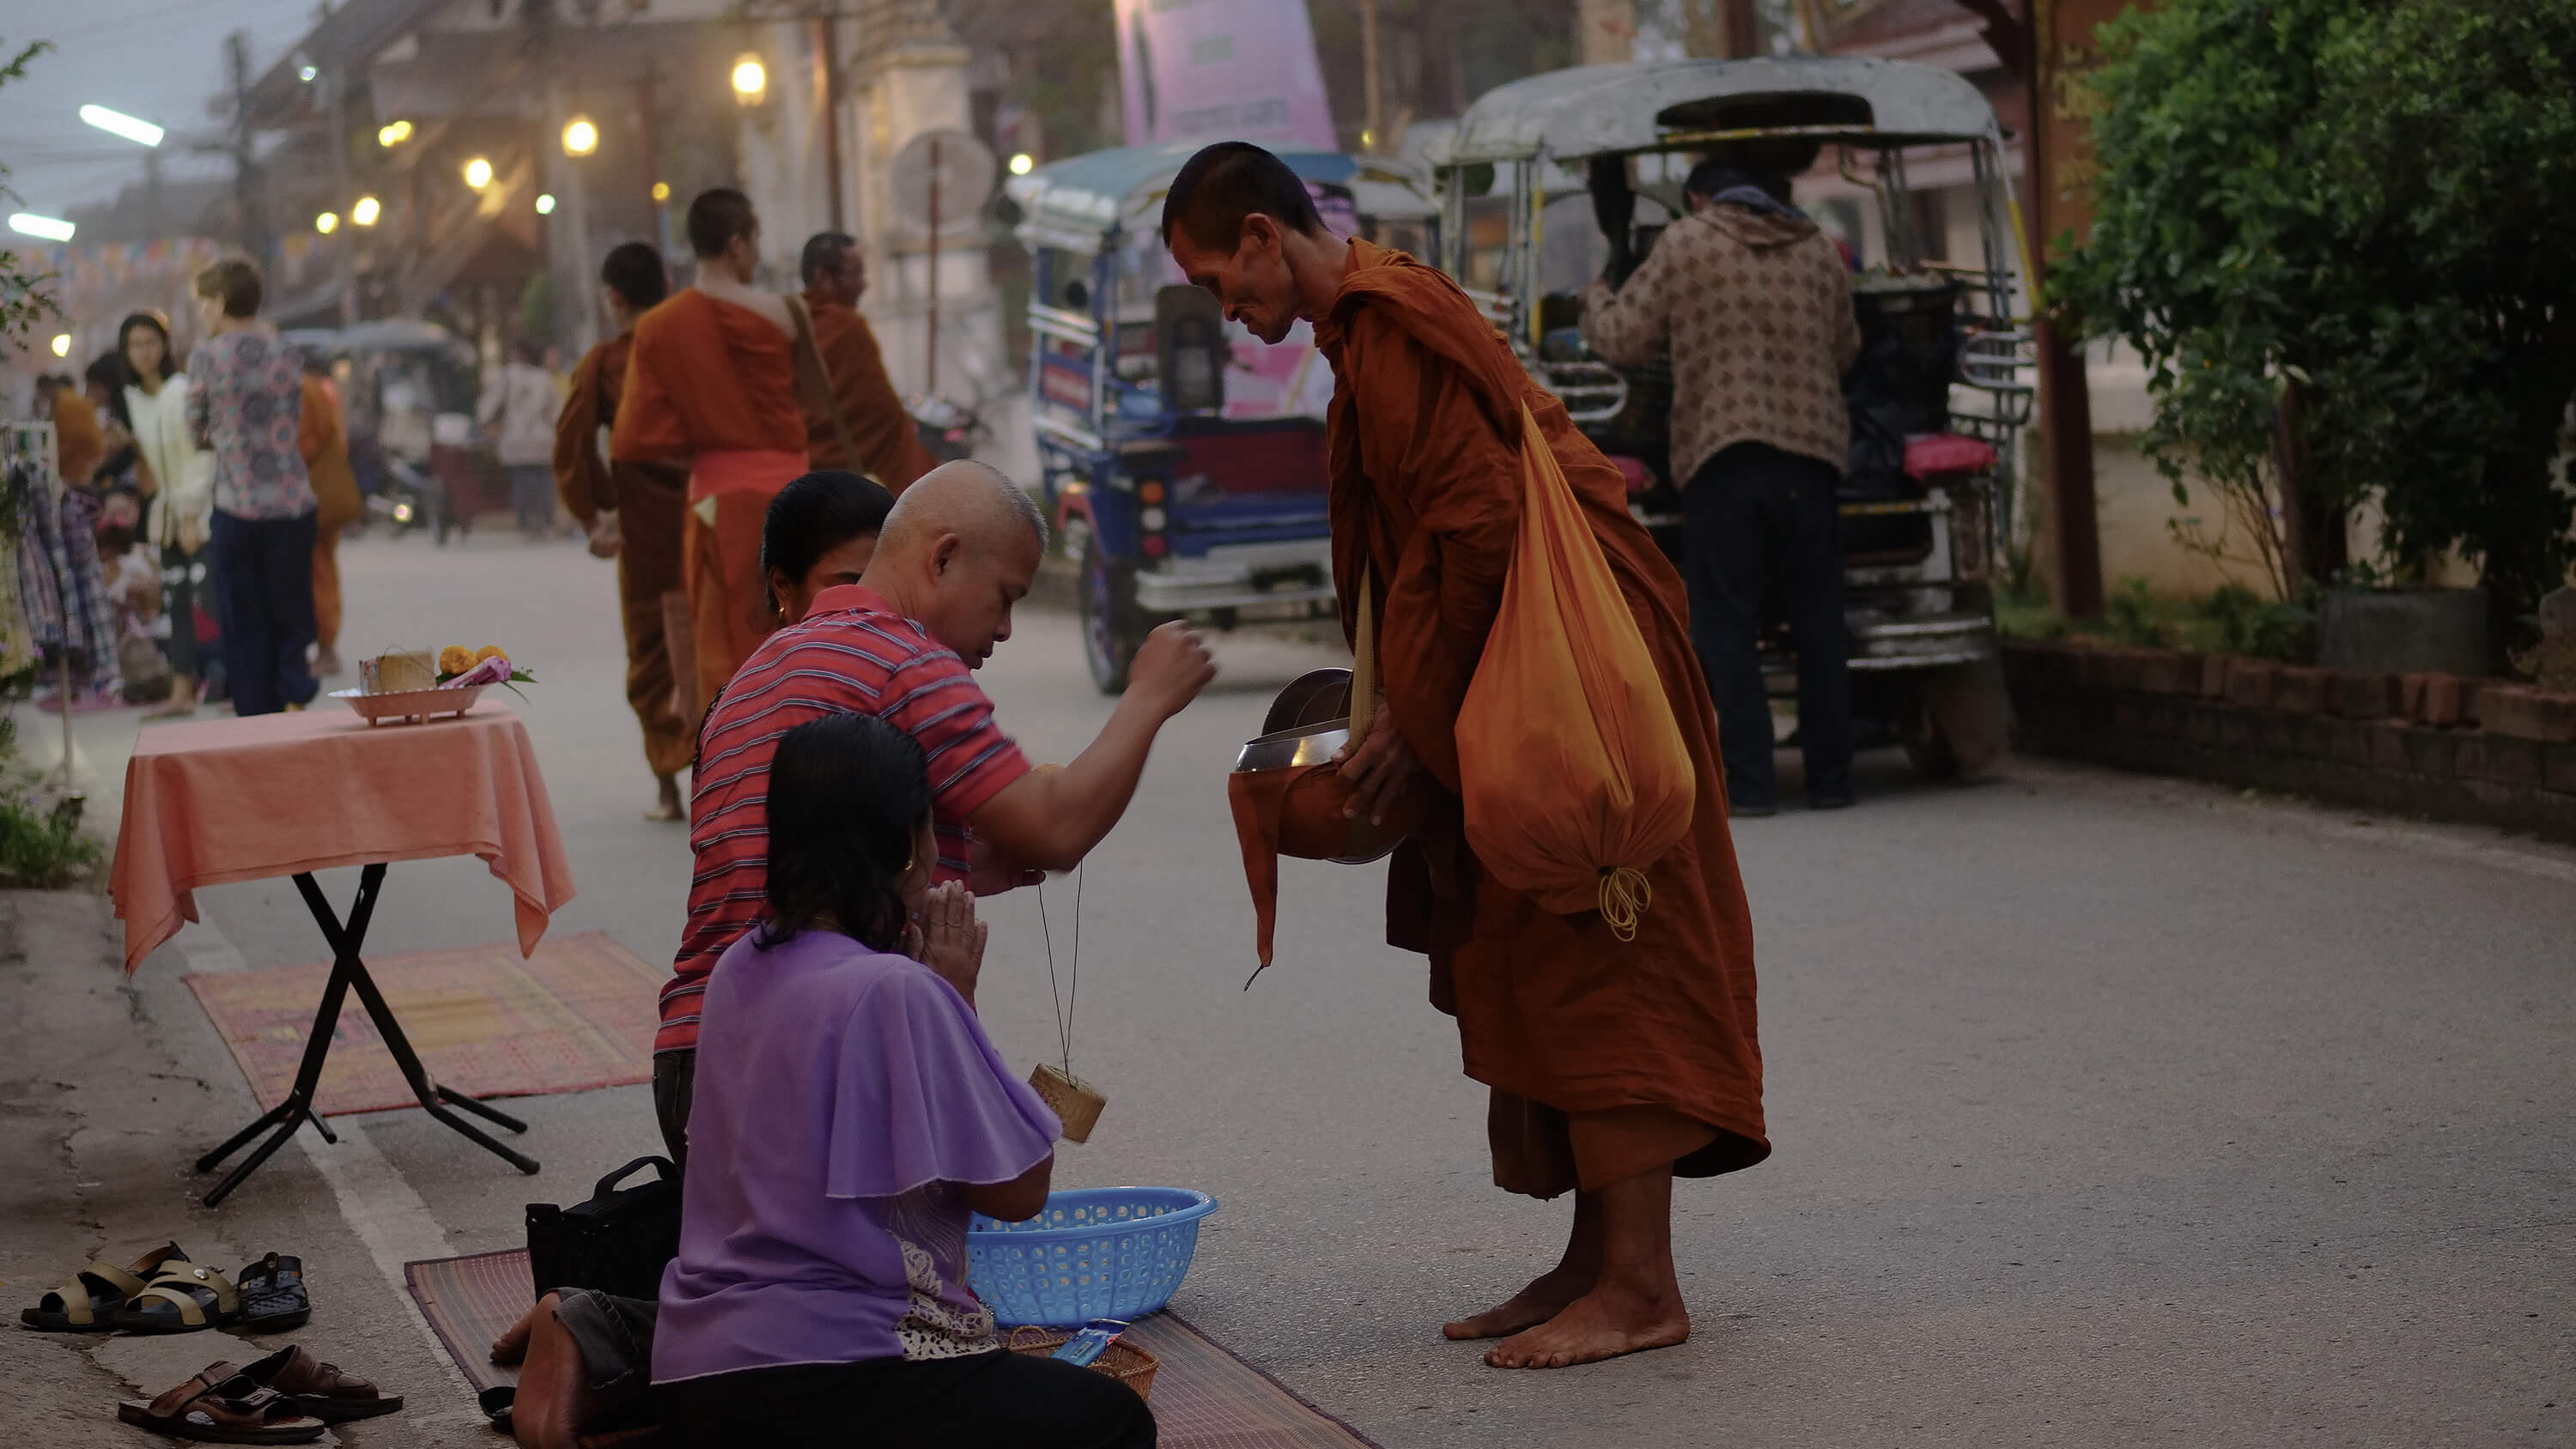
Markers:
(713, 386)
(648, 500)
(79, 443)
(1606, 1058)
(323, 440)
(887, 444)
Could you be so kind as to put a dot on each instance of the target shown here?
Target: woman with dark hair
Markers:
(820, 532)
(180, 513)
(850, 1116)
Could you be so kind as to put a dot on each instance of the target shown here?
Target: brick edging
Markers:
(2486, 751)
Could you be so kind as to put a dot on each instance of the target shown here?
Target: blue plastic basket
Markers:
(1102, 1252)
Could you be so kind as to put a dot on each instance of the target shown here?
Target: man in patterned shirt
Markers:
(1755, 305)
(245, 404)
(961, 547)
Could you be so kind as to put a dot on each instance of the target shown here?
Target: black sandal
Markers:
(274, 1298)
(219, 1406)
(89, 1302)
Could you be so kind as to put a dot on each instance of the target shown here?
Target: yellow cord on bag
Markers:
(1625, 895)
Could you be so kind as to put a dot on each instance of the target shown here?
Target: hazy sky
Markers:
(158, 59)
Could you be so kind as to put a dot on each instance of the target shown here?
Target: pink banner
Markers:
(1221, 70)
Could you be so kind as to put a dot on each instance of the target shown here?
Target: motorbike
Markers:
(949, 430)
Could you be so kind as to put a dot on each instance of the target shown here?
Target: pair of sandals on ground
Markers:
(289, 1397)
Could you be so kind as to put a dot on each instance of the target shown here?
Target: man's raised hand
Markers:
(1171, 667)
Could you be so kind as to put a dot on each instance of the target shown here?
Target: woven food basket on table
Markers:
(1121, 1360)
(1103, 1252)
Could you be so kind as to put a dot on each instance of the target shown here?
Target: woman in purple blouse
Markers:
(850, 1115)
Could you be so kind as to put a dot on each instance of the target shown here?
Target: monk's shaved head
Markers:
(960, 548)
(1229, 181)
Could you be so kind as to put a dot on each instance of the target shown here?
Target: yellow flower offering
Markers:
(455, 659)
(490, 651)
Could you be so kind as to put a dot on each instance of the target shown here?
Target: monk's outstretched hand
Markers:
(1377, 768)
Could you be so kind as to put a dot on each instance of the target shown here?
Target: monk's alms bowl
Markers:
(1289, 748)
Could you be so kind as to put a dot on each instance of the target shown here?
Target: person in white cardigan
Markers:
(183, 498)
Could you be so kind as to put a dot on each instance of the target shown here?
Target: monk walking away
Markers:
(859, 424)
(1615, 1066)
(632, 512)
(711, 386)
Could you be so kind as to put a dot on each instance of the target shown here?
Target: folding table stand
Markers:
(347, 972)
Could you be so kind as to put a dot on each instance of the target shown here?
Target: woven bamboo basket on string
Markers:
(1121, 1360)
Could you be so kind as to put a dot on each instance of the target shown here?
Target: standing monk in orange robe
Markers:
(711, 386)
(79, 442)
(632, 512)
(883, 441)
(322, 438)
(1615, 1066)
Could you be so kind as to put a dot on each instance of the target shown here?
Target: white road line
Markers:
(376, 1201)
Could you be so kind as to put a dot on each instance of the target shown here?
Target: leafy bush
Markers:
(2130, 614)
(39, 850)
(2244, 622)
(2334, 229)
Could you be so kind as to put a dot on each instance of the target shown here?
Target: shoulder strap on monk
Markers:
(816, 378)
(1364, 661)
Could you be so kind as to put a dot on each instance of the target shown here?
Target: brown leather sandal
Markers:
(219, 1406)
(320, 1389)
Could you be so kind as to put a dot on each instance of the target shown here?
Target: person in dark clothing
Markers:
(1754, 304)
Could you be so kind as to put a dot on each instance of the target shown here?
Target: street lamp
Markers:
(366, 210)
(580, 137)
(750, 80)
(478, 173)
(327, 223)
(62, 344)
(1023, 163)
(545, 203)
(661, 191)
(51, 228)
(117, 123)
(393, 133)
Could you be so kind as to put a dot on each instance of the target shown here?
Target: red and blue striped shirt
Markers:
(852, 654)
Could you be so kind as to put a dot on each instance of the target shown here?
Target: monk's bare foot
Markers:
(1610, 1320)
(666, 801)
(1530, 1307)
(512, 1345)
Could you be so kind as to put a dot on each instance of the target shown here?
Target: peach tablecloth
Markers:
(228, 800)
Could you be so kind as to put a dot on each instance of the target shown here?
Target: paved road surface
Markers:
(2107, 1110)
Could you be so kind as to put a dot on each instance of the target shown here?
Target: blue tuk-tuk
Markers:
(1183, 461)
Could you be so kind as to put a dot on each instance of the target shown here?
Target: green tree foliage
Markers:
(2336, 231)
(23, 302)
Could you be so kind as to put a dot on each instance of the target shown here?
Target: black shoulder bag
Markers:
(617, 1243)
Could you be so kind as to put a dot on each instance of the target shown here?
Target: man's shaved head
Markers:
(1229, 181)
(973, 500)
(960, 548)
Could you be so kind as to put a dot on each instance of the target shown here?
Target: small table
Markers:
(220, 801)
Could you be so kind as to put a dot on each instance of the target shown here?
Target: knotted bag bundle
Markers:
(1298, 809)
(1571, 767)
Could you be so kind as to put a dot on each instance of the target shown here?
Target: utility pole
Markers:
(1604, 31)
(345, 244)
(1372, 103)
(827, 62)
(249, 202)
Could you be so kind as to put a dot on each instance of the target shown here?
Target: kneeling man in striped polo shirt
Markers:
(960, 548)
